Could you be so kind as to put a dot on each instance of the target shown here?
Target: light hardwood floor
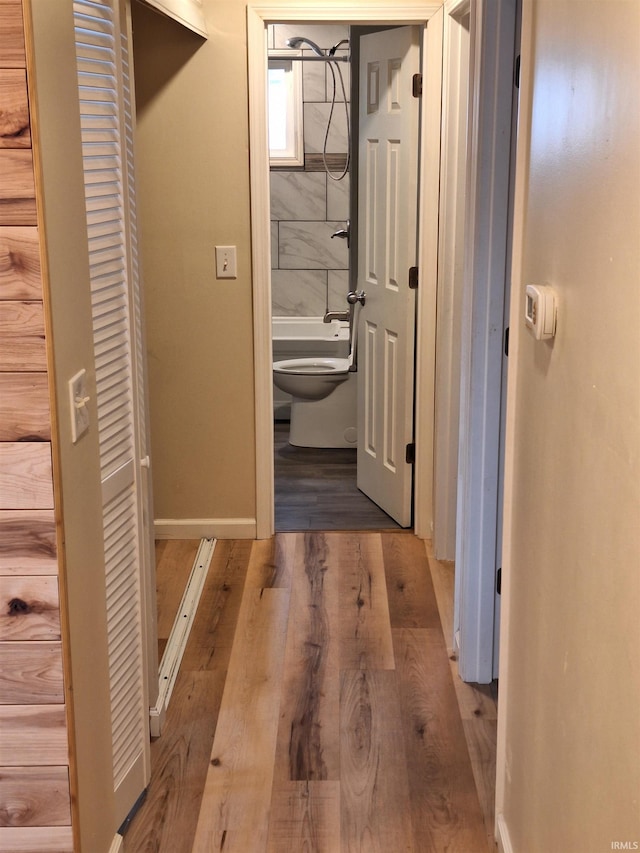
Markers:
(318, 708)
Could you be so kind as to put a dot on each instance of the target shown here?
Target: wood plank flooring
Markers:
(315, 489)
(174, 561)
(317, 711)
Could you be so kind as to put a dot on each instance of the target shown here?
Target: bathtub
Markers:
(297, 337)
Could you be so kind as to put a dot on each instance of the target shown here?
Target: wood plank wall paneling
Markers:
(24, 407)
(33, 736)
(12, 53)
(29, 608)
(25, 475)
(31, 673)
(17, 188)
(37, 839)
(43, 798)
(20, 274)
(21, 320)
(35, 798)
(28, 542)
(22, 341)
(15, 131)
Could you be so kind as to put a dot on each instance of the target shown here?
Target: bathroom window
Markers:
(285, 112)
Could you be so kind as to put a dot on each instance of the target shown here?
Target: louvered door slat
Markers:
(103, 239)
(104, 265)
(91, 54)
(111, 384)
(124, 631)
(110, 392)
(104, 282)
(99, 217)
(100, 136)
(102, 234)
(108, 340)
(108, 363)
(99, 166)
(113, 431)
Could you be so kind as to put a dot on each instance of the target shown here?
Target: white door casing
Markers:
(387, 248)
(411, 12)
(493, 28)
(104, 85)
(453, 171)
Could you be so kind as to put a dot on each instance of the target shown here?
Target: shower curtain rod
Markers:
(311, 58)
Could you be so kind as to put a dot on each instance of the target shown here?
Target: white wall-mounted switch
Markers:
(226, 262)
(78, 400)
(540, 312)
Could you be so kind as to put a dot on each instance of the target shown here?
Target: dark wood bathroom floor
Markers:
(315, 489)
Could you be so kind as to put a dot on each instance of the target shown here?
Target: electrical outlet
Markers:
(78, 400)
(226, 262)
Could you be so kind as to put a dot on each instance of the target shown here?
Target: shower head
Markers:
(300, 40)
(332, 51)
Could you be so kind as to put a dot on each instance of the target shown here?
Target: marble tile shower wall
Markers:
(310, 271)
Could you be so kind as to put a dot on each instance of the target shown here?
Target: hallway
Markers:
(317, 708)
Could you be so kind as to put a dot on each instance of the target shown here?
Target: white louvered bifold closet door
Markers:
(106, 141)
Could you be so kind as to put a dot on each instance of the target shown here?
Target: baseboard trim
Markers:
(176, 644)
(205, 528)
(116, 844)
(502, 835)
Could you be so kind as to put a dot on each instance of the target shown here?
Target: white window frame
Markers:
(293, 154)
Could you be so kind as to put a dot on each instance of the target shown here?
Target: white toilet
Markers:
(323, 405)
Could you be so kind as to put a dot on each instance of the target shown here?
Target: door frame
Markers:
(411, 12)
(456, 96)
(493, 30)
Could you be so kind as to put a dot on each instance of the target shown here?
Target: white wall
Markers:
(569, 742)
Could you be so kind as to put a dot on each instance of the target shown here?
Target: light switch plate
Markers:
(78, 400)
(540, 311)
(226, 262)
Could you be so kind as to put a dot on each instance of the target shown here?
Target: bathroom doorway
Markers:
(314, 196)
(428, 17)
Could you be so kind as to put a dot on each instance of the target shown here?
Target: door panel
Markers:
(387, 204)
(103, 87)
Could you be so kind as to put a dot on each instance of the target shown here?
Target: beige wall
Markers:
(570, 695)
(193, 194)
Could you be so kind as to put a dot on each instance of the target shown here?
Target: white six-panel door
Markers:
(387, 248)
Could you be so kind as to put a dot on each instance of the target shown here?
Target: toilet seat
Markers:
(312, 366)
(310, 378)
